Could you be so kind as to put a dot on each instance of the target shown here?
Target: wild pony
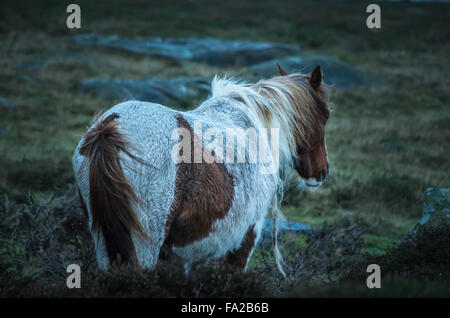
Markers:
(152, 186)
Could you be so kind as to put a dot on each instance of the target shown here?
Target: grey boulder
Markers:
(436, 210)
(436, 207)
(205, 50)
(153, 89)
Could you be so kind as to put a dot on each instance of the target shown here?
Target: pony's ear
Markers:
(316, 77)
(280, 69)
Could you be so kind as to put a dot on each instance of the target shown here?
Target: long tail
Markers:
(110, 194)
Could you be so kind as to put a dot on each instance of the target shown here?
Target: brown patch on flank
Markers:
(239, 257)
(203, 194)
(110, 194)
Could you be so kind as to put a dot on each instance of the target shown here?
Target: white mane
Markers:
(280, 102)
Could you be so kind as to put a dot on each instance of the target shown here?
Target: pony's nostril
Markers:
(323, 176)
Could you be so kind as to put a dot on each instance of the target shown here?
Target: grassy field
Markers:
(386, 145)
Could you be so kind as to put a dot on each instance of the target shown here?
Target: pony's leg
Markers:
(239, 258)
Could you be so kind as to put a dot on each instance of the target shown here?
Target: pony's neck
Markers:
(269, 111)
(272, 123)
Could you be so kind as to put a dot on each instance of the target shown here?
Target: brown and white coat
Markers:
(140, 201)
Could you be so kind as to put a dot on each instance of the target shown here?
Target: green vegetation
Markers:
(386, 145)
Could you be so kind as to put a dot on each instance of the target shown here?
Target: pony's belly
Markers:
(208, 248)
(219, 243)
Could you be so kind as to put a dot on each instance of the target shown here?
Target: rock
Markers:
(436, 210)
(335, 73)
(5, 103)
(260, 57)
(205, 50)
(436, 207)
(283, 226)
(152, 89)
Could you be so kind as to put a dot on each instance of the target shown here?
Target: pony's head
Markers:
(296, 104)
(309, 154)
